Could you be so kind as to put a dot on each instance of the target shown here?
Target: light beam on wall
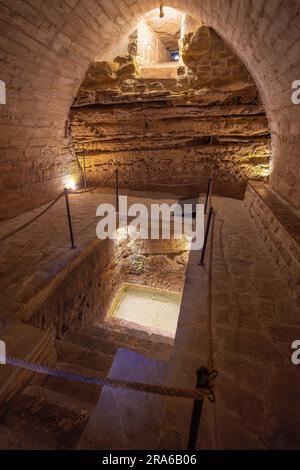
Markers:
(70, 183)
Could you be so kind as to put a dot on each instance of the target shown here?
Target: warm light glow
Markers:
(121, 234)
(265, 171)
(186, 241)
(169, 12)
(151, 308)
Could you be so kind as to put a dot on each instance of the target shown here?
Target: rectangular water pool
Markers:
(149, 307)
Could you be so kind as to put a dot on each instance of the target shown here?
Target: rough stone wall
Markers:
(282, 243)
(188, 25)
(211, 60)
(242, 293)
(46, 49)
(173, 132)
(89, 289)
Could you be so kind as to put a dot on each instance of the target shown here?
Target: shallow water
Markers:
(148, 307)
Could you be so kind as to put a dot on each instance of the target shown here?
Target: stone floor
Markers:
(254, 320)
(30, 259)
(53, 412)
(254, 323)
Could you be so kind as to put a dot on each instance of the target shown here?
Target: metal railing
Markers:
(73, 246)
(65, 193)
(202, 382)
(208, 195)
(206, 235)
(117, 190)
(205, 376)
(203, 390)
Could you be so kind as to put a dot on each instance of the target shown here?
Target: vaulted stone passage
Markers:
(163, 131)
(46, 53)
(170, 97)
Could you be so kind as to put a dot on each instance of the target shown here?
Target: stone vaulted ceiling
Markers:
(46, 49)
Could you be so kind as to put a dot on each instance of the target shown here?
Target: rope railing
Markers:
(66, 192)
(13, 232)
(205, 376)
(84, 191)
(201, 393)
(203, 373)
(190, 183)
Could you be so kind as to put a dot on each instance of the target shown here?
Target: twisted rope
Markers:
(102, 380)
(31, 220)
(210, 341)
(83, 191)
(191, 183)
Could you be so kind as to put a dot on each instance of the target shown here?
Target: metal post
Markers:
(202, 382)
(117, 190)
(84, 168)
(73, 246)
(208, 192)
(210, 215)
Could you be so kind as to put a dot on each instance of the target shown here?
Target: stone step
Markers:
(109, 340)
(24, 342)
(45, 419)
(161, 71)
(81, 356)
(120, 327)
(137, 328)
(85, 393)
(58, 399)
(127, 419)
(10, 440)
(92, 342)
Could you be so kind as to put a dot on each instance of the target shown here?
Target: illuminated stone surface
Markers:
(125, 419)
(46, 50)
(48, 62)
(152, 308)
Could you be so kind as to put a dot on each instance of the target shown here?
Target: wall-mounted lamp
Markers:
(161, 10)
(70, 183)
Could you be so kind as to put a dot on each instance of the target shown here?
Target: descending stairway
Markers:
(53, 413)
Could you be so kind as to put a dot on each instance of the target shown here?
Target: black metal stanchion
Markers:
(84, 168)
(210, 216)
(117, 190)
(208, 192)
(202, 382)
(73, 246)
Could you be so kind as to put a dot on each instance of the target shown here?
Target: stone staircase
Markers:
(52, 413)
